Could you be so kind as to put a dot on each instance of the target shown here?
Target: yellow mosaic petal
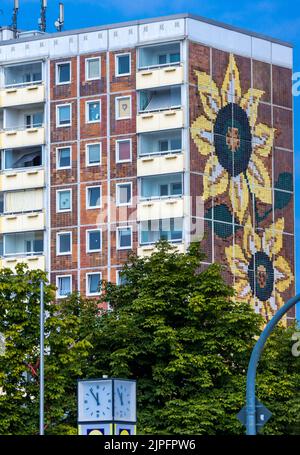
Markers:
(272, 238)
(250, 102)
(243, 290)
(202, 133)
(209, 94)
(280, 303)
(239, 195)
(283, 274)
(231, 88)
(263, 139)
(251, 241)
(237, 261)
(259, 179)
(215, 180)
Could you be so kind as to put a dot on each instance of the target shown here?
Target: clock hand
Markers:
(120, 396)
(96, 397)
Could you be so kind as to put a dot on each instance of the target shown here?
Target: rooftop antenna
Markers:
(59, 23)
(42, 19)
(15, 18)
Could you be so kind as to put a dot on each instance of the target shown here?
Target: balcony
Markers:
(32, 221)
(160, 153)
(33, 262)
(160, 109)
(22, 95)
(29, 137)
(147, 250)
(159, 77)
(155, 230)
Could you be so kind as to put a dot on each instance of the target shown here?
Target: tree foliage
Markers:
(175, 327)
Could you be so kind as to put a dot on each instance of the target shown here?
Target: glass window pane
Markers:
(94, 240)
(64, 286)
(94, 111)
(176, 188)
(64, 115)
(162, 59)
(93, 68)
(124, 193)
(176, 144)
(123, 64)
(123, 107)
(64, 243)
(64, 72)
(175, 57)
(164, 190)
(94, 153)
(125, 238)
(123, 151)
(121, 278)
(94, 196)
(64, 200)
(64, 157)
(163, 146)
(94, 283)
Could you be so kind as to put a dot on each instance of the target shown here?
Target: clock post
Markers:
(106, 406)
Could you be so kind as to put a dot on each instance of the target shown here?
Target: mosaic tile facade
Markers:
(242, 167)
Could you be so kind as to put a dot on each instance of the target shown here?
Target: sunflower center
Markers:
(261, 276)
(233, 139)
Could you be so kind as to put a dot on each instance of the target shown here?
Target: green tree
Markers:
(176, 329)
(69, 329)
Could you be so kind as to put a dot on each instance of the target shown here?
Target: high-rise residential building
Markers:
(176, 128)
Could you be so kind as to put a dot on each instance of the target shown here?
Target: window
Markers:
(63, 115)
(63, 200)
(124, 193)
(121, 278)
(124, 236)
(123, 150)
(64, 158)
(92, 68)
(123, 65)
(63, 243)
(93, 154)
(93, 283)
(93, 197)
(34, 120)
(63, 73)
(93, 111)
(64, 286)
(123, 107)
(167, 229)
(93, 240)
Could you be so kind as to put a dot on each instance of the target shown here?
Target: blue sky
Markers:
(277, 18)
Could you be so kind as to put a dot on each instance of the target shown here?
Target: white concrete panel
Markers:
(220, 38)
(161, 30)
(123, 37)
(261, 50)
(282, 56)
(92, 42)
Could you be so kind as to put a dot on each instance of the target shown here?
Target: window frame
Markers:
(87, 243)
(118, 238)
(117, 98)
(58, 296)
(87, 197)
(117, 150)
(122, 54)
(58, 234)
(127, 204)
(87, 111)
(57, 115)
(57, 158)
(57, 200)
(57, 72)
(87, 59)
(90, 294)
(87, 154)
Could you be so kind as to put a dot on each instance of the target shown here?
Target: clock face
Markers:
(94, 401)
(125, 400)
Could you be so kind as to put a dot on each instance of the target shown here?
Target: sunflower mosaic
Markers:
(237, 147)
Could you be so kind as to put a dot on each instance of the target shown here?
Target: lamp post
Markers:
(42, 384)
(251, 420)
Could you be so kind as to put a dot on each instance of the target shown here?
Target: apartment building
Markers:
(175, 128)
